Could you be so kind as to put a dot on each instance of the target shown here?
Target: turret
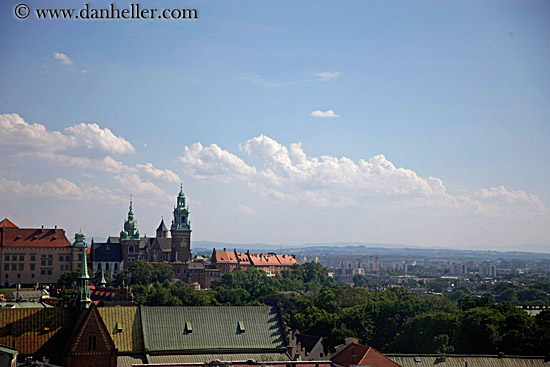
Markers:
(83, 292)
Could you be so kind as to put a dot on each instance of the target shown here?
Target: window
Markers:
(49, 271)
(18, 276)
(61, 257)
(13, 257)
(116, 266)
(79, 258)
(33, 257)
(6, 257)
(91, 342)
(32, 267)
(7, 267)
(62, 267)
(42, 272)
(106, 266)
(13, 266)
(21, 267)
(50, 261)
(22, 257)
(32, 276)
(131, 249)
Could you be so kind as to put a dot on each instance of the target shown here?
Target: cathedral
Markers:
(118, 253)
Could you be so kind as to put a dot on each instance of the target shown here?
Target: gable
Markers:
(218, 328)
(91, 335)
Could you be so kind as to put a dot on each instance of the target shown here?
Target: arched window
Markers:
(106, 266)
(131, 249)
(92, 342)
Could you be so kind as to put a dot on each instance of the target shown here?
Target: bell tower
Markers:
(129, 239)
(181, 231)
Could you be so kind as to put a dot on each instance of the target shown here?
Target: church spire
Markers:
(181, 213)
(83, 292)
(130, 231)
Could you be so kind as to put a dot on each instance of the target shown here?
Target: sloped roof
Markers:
(226, 357)
(129, 361)
(362, 355)
(162, 226)
(8, 223)
(308, 342)
(107, 252)
(211, 328)
(164, 243)
(227, 257)
(124, 326)
(33, 237)
(459, 360)
(36, 330)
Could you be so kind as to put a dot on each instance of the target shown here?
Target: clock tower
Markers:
(181, 231)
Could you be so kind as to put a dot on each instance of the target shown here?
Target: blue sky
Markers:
(438, 133)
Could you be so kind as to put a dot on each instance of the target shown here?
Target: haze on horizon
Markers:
(422, 123)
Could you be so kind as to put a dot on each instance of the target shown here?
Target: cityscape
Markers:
(240, 183)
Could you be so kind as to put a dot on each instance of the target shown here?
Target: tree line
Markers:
(390, 320)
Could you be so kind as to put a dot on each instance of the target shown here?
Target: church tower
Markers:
(181, 231)
(83, 291)
(129, 239)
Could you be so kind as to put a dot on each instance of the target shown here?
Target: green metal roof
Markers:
(212, 329)
(207, 358)
(459, 360)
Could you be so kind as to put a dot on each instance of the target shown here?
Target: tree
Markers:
(140, 272)
(163, 272)
(479, 331)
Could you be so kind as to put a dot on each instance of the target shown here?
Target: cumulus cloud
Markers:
(16, 132)
(59, 188)
(63, 58)
(160, 174)
(214, 162)
(139, 187)
(288, 173)
(245, 209)
(326, 114)
(92, 136)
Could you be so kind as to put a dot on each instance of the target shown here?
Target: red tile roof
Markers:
(362, 355)
(7, 223)
(226, 257)
(244, 258)
(33, 237)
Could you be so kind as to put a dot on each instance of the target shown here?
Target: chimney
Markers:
(42, 229)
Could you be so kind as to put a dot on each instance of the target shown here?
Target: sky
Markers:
(288, 122)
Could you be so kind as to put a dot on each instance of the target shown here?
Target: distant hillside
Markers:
(347, 249)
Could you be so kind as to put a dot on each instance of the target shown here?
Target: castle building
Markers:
(35, 255)
(118, 253)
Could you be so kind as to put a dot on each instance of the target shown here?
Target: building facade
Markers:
(35, 255)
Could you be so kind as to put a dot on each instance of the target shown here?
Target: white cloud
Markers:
(317, 77)
(328, 76)
(164, 175)
(213, 162)
(16, 132)
(326, 114)
(63, 58)
(134, 185)
(92, 136)
(58, 189)
(288, 173)
(245, 209)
